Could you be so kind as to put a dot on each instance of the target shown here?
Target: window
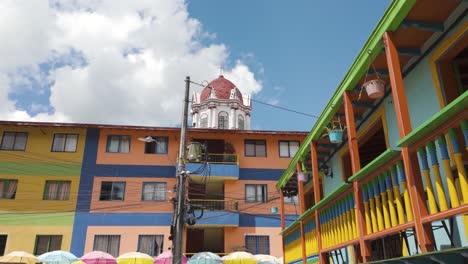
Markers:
(223, 120)
(255, 148)
(112, 191)
(256, 193)
(291, 200)
(14, 140)
(64, 142)
(3, 240)
(159, 146)
(154, 191)
(204, 121)
(258, 244)
(8, 188)
(151, 244)
(240, 122)
(288, 149)
(57, 190)
(118, 144)
(107, 243)
(47, 243)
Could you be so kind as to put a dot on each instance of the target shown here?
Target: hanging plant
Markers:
(375, 88)
(335, 131)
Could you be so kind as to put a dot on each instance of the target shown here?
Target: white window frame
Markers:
(291, 152)
(158, 194)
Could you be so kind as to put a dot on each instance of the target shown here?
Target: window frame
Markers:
(60, 182)
(203, 118)
(108, 241)
(140, 236)
(240, 118)
(120, 144)
(5, 188)
(65, 142)
(291, 200)
(156, 138)
(153, 200)
(257, 242)
(255, 141)
(225, 117)
(112, 188)
(289, 147)
(256, 194)
(14, 141)
(48, 243)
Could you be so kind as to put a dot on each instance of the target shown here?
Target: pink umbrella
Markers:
(98, 257)
(166, 258)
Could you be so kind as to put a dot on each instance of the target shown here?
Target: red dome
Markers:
(222, 88)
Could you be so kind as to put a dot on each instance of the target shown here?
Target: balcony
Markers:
(217, 212)
(218, 165)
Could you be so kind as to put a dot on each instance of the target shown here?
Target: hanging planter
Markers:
(302, 177)
(374, 88)
(335, 133)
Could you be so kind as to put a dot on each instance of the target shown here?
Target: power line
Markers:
(272, 105)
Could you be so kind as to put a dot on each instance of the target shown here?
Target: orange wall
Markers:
(136, 156)
(128, 236)
(236, 190)
(132, 199)
(235, 237)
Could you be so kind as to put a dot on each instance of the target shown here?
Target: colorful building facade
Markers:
(382, 175)
(82, 187)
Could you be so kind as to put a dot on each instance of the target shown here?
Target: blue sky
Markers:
(124, 62)
(305, 48)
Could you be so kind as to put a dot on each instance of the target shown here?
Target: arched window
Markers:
(204, 121)
(223, 120)
(240, 122)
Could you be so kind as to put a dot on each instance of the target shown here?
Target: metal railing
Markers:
(216, 205)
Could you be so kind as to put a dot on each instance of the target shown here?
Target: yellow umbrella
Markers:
(78, 262)
(135, 258)
(19, 257)
(240, 257)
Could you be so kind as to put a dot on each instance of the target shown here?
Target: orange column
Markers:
(300, 189)
(300, 193)
(283, 222)
(282, 211)
(423, 232)
(316, 182)
(356, 166)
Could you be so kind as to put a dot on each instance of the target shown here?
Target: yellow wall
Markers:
(29, 194)
(23, 237)
(39, 145)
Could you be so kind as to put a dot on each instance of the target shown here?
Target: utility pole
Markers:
(179, 222)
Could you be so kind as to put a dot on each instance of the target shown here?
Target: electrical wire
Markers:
(272, 105)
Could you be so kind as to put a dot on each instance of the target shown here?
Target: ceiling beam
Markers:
(423, 25)
(363, 104)
(357, 117)
(410, 52)
(383, 73)
(326, 146)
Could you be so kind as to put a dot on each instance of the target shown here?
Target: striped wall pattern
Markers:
(292, 247)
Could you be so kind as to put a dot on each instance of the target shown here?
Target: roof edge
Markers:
(392, 18)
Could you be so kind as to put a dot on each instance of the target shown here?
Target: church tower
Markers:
(221, 105)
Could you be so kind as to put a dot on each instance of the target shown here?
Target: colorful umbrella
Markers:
(240, 257)
(19, 257)
(58, 257)
(135, 258)
(205, 258)
(166, 258)
(266, 259)
(98, 257)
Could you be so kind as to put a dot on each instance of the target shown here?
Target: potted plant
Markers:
(335, 132)
(375, 88)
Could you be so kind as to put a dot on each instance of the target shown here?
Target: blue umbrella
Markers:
(57, 257)
(205, 258)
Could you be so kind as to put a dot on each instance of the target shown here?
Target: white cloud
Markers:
(115, 62)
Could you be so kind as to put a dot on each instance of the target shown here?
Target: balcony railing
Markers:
(216, 205)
